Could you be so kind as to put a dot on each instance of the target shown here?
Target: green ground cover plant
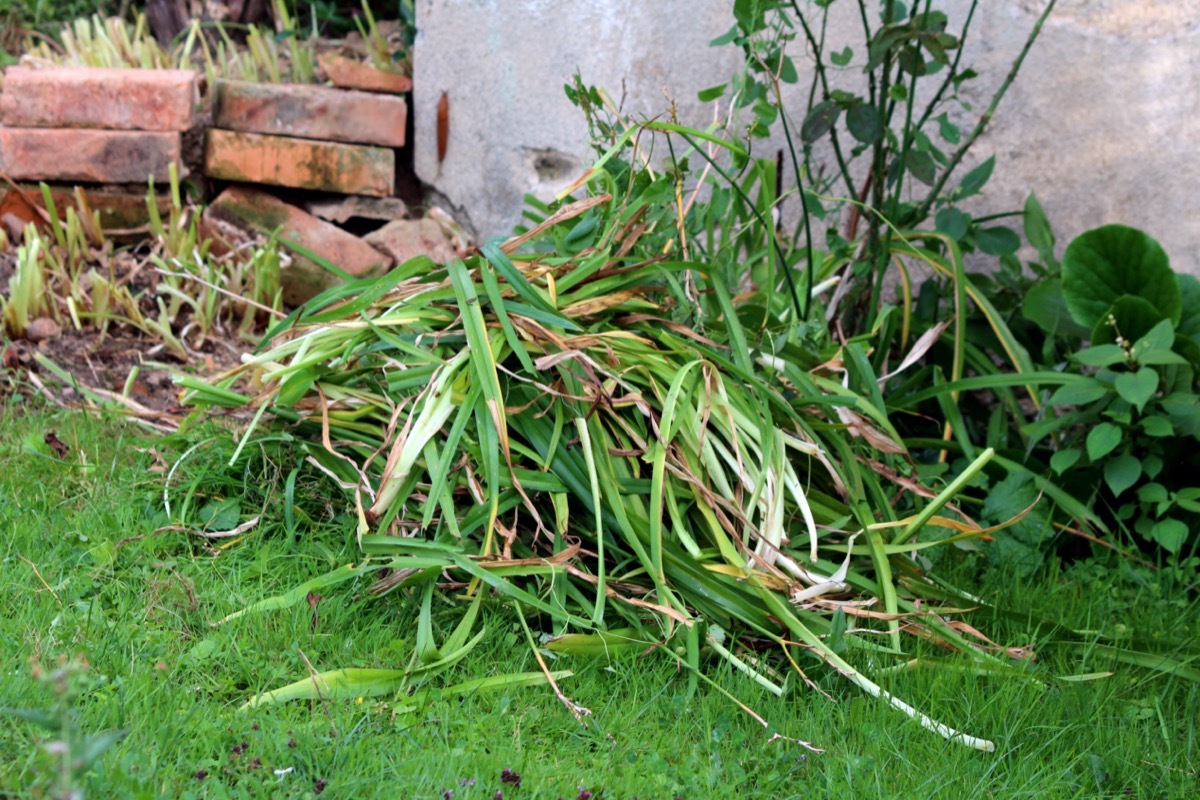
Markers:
(93, 581)
(1106, 401)
(629, 425)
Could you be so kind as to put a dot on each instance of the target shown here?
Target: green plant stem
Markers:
(936, 191)
(877, 246)
(950, 76)
(787, 273)
(819, 65)
(907, 143)
(810, 267)
(866, 23)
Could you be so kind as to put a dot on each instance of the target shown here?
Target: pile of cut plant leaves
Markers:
(574, 423)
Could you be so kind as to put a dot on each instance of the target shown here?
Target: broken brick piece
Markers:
(344, 209)
(303, 279)
(349, 73)
(85, 97)
(408, 238)
(310, 112)
(299, 163)
(92, 156)
(17, 211)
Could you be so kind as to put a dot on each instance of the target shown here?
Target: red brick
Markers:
(251, 209)
(299, 163)
(87, 155)
(310, 112)
(120, 211)
(409, 238)
(347, 73)
(84, 97)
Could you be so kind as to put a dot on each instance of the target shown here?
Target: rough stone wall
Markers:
(1103, 122)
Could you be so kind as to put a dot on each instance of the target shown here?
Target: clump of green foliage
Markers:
(1000, 348)
(886, 112)
(581, 424)
(632, 424)
(1124, 438)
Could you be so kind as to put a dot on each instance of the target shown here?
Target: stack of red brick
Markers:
(327, 139)
(94, 125)
(305, 137)
(123, 126)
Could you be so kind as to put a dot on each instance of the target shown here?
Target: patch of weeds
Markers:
(63, 758)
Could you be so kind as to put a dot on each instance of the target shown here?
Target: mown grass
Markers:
(141, 616)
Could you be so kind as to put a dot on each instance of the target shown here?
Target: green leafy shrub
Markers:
(1131, 429)
(1097, 414)
(884, 112)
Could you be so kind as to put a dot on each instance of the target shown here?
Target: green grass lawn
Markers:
(84, 574)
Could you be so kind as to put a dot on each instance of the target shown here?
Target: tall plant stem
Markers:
(819, 66)
(787, 273)
(808, 245)
(907, 142)
(877, 246)
(866, 23)
(936, 191)
(953, 73)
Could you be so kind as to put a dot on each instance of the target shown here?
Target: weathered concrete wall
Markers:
(503, 64)
(1103, 122)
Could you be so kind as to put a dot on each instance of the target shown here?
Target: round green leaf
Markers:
(1063, 460)
(1137, 387)
(1158, 426)
(864, 124)
(1130, 317)
(1037, 229)
(976, 178)
(819, 121)
(1079, 394)
(997, 240)
(920, 165)
(1102, 355)
(1105, 263)
(842, 58)
(1152, 493)
(953, 222)
(1045, 307)
(949, 131)
(1152, 465)
(1160, 337)
(1171, 534)
(1122, 472)
(1102, 440)
(1189, 499)
(220, 514)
